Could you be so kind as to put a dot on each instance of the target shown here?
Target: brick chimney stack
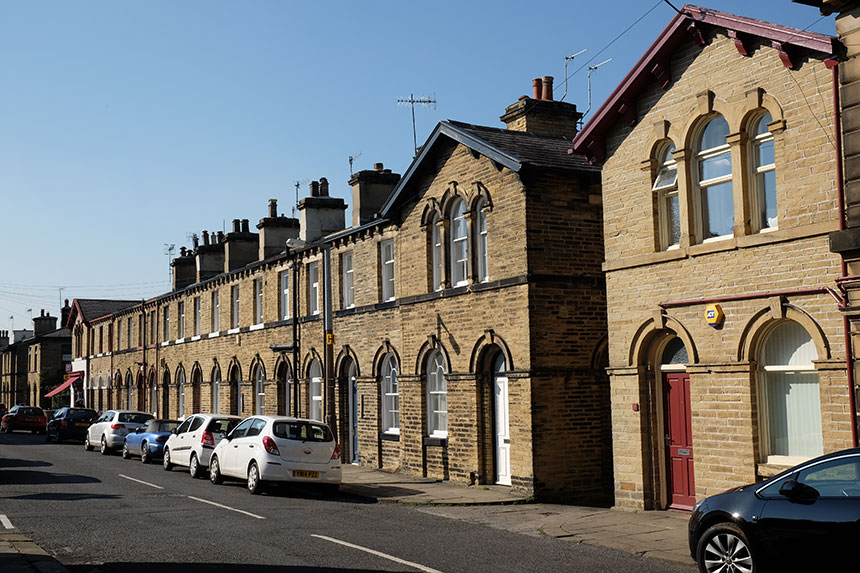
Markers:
(275, 230)
(541, 114)
(370, 190)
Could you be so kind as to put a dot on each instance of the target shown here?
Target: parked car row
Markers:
(258, 449)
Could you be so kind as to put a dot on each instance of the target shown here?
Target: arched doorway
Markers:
(677, 423)
(283, 380)
(196, 383)
(236, 405)
(216, 390)
(180, 392)
(349, 408)
(153, 393)
(494, 419)
(165, 394)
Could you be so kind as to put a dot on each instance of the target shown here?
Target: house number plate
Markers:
(683, 452)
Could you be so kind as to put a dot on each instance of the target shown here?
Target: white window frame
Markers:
(437, 387)
(437, 253)
(181, 315)
(347, 280)
(459, 231)
(314, 288)
(702, 185)
(216, 310)
(390, 396)
(667, 194)
(284, 282)
(481, 232)
(180, 390)
(258, 301)
(166, 324)
(260, 389)
(234, 306)
(315, 407)
(386, 257)
(759, 172)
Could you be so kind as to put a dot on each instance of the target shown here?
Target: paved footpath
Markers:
(658, 534)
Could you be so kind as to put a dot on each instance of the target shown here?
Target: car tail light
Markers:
(271, 446)
(207, 439)
(161, 439)
(64, 423)
(117, 426)
(336, 453)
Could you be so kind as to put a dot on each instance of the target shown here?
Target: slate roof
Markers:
(508, 148)
(92, 308)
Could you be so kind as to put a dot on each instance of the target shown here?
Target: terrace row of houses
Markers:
(639, 313)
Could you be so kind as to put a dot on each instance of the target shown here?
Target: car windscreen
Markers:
(166, 427)
(221, 425)
(81, 414)
(305, 431)
(134, 418)
(30, 411)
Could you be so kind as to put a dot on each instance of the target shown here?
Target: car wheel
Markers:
(87, 445)
(144, 453)
(168, 465)
(724, 547)
(255, 484)
(194, 467)
(215, 471)
(103, 448)
(125, 453)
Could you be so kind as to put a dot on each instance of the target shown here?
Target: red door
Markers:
(679, 440)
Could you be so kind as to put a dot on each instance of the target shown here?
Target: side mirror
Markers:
(173, 431)
(796, 491)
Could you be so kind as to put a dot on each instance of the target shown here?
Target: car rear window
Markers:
(81, 414)
(166, 427)
(305, 431)
(30, 411)
(133, 418)
(221, 426)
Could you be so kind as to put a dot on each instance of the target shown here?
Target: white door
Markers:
(503, 433)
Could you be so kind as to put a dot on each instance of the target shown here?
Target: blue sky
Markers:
(128, 125)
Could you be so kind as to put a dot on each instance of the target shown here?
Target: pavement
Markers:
(657, 534)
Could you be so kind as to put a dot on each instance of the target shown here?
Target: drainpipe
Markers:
(840, 187)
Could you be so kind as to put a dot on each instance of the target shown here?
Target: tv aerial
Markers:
(352, 159)
(426, 102)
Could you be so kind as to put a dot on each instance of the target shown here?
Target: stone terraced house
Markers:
(467, 337)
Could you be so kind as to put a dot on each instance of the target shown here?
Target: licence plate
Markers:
(306, 474)
(82, 425)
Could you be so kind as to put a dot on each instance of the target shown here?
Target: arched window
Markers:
(666, 188)
(259, 390)
(714, 180)
(483, 267)
(165, 394)
(437, 396)
(216, 390)
(438, 253)
(764, 172)
(316, 397)
(459, 244)
(390, 396)
(283, 377)
(791, 402)
(180, 391)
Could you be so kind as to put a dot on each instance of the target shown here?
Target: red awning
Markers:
(72, 379)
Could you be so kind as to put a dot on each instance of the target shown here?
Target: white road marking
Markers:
(140, 481)
(5, 521)
(227, 507)
(378, 554)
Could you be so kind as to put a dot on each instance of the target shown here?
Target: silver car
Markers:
(191, 444)
(110, 429)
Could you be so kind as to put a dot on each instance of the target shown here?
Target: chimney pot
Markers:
(315, 188)
(378, 166)
(273, 207)
(181, 251)
(43, 312)
(547, 88)
(323, 187)
(537, 87)
(220, 236)
(245, 226)
(235, 225)
(205, 237)
(196, 240)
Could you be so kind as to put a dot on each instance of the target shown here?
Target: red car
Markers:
(24, 418)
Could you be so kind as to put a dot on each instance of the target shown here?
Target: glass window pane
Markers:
(764, 153)
(675, 352)
(794, 419)
(673, 213)
(718, 213)
(767, 199)
(666, 177)
(762, 128)
(715, 133)
(714, 167)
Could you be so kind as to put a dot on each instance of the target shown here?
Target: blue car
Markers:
(148, 441)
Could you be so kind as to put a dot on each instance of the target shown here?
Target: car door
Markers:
(98, 429)
(230, 450)
(180, 443)
(195, 431)
(814, 513)
(55, 422)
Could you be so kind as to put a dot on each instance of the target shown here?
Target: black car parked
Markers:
(70, 423)
(804, 519)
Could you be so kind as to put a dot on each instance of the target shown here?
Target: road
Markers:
(104, 514)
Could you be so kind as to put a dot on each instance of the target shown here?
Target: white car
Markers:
(110, 429)
(266, 448)
(191, 444)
